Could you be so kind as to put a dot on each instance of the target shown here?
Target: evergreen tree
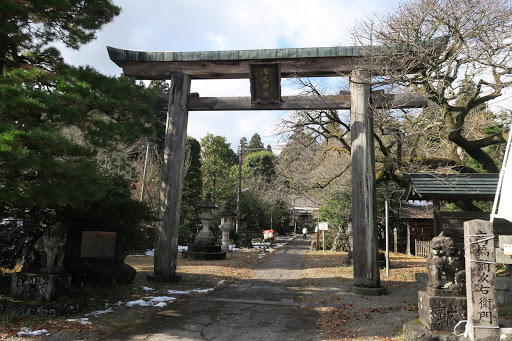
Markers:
(255, 144)
(192, 190)
(28, 27)
(217, 160)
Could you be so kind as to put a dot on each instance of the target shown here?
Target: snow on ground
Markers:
(150, 301)
(100, 312)
(82, 320)
(179, 292)
(27, 331)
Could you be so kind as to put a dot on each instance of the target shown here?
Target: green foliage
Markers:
(336, 207)
(115, 211)
(255, 144)
(260, 163)
(33, 24)
(53, 127)
(217, 160)
(192, 190)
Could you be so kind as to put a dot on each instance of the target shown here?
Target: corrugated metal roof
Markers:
(471, 186)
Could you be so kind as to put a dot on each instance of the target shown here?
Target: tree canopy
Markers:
(27, 27)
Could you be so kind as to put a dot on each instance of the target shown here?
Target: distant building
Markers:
(301, 212)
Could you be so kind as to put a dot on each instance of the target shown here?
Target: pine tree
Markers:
(28, 27)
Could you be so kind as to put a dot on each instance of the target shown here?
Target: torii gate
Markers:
(265, 68)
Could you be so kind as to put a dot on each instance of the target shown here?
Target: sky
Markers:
(202, 25)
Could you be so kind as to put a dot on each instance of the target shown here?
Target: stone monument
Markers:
(441, 307)
(42, 276)
(482, 320)
(204, 244)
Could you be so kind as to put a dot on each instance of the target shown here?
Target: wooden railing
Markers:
(422, 248)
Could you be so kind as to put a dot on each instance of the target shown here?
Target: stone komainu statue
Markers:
(47, 254)
(446, 257)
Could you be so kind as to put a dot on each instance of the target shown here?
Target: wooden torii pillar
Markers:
(364, 198)
(271, 65)
(166, 248)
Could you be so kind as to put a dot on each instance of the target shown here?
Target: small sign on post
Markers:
(323, 226)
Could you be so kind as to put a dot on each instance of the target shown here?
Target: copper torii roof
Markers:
(306, 62)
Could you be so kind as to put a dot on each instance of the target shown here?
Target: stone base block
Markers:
(175, 278)
(368, 291)
(40, 287)
(204, 248)
(441, 313)
(416, 331)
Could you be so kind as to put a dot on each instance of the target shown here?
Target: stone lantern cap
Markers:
(226, 211)
(207, 203)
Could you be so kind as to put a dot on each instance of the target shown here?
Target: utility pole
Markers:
(143, 188)
(239, 193)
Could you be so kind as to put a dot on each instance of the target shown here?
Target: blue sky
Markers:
(197, 25)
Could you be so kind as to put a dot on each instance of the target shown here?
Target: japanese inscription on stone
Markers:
(265, 83)
(481, 280)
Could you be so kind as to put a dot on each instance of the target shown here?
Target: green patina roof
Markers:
(232, 55)
(470, 186)
(120, 55)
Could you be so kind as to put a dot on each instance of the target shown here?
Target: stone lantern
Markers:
(205, 236)
(204, 247)
(227, 217)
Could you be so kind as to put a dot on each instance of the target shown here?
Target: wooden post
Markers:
(408, 242)
(438, 228)
(481, 281)
(166, 248)
(364, 200)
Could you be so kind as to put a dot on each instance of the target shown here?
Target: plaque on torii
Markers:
(265, 81)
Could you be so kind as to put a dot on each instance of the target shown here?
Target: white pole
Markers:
(143, 188)
(387, 229)
(502, 173)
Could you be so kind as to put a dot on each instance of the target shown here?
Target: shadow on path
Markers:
(263, 306)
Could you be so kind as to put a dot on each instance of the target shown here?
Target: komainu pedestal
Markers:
(441, 313)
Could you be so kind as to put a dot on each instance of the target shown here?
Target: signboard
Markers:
(323, 226)
(98, 244)
(265, 83)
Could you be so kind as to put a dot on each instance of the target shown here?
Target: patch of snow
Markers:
(141, 303)
(100, 312)
(161, 299)
(27, 331)
(82, 320)
(180, 292)
(182, 248)
(147, 288)
(150, 252)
